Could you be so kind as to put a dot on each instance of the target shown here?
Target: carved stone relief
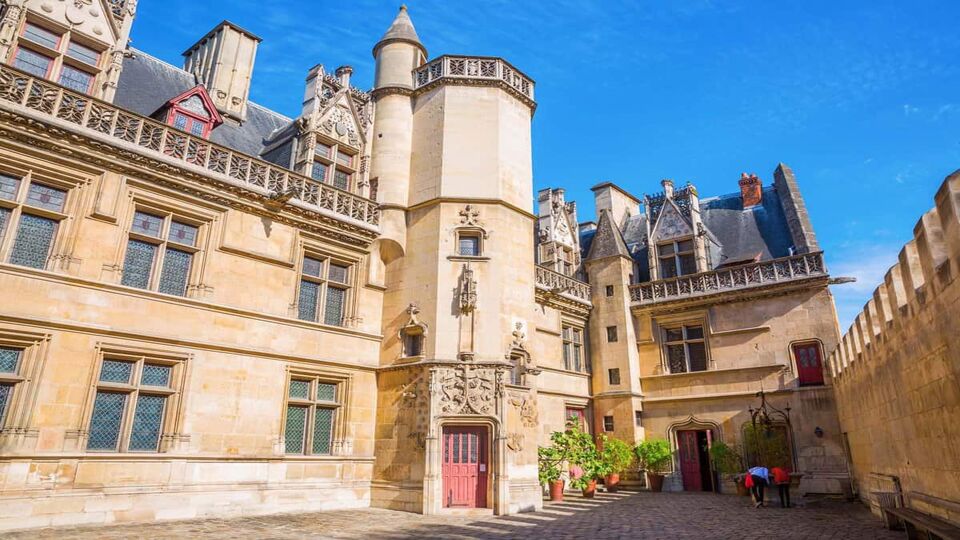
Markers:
(515, 442)
(529, 414)
(672, 224)
(468, 389)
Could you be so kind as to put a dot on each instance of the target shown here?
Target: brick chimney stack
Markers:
(751, 190)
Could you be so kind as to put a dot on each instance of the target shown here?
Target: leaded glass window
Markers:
(156, 375)
(33, 63)
(75, 79)
(34, 239)
(296, 429)
(147, 422)
(676, 259)
(311, 416)
(155, 235)
(46, 197)
(469, 245)
(322, 295)
(573, 359)
(341, 179)
(322, 430)
(108, 408)
(138, 264)
(6, 393)
(9, 359)
(333, 311)
(176, 270)
(9, 186)
(83, 54)
(319, 171)
(685, 348)
(40, 35)
(131, 403)
(180, 121)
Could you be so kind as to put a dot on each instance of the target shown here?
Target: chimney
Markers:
(343, 75)
(223, 61)
(751, 190)
(667, 188)
(311, 93)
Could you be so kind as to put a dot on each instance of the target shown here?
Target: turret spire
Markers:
(401, 30)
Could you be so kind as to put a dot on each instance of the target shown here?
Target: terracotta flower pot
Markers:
(612, 481)
(655, 482)
(590, 490)
(556, 490)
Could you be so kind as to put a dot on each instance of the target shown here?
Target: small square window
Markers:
(611, 334)
(608, 423)
(609, 290)
(83, 54)
(156, 375)
(322, 150)
(319, 172)
(40, 35)
(300, 389)
(182, 233)
(116, 371)
(147, 224)
(32, 63)
(338, 273)
(312, 267)
(468, 245)
(341, 179)
(345, 159)
(614, 375)
(9, 186)
(75, 79)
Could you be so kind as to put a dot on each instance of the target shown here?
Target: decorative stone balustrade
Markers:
(559, 284)
(46, 98)
(475, 69)
(748, 276)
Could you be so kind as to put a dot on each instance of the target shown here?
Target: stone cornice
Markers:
(490, 83)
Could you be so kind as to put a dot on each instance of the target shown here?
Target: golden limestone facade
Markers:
(896, 373)
(213, 309)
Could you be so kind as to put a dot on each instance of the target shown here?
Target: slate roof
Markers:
(147, 83)
(401, 30)
(741, 234)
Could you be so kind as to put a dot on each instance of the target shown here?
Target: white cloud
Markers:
(869, 265)
(909, 109)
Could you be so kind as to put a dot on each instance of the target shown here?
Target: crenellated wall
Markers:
(896, 370)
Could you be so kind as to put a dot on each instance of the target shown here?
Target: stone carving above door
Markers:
(468, 389)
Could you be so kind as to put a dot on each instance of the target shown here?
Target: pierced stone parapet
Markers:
(98, 117)
(563, 292)
(475, 70)
(748, 276)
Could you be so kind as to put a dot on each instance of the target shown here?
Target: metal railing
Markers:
(785, 269)
(44, 97)
(473, 67)
(558, 283)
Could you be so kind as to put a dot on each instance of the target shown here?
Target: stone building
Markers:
(897, 368)
(214, 309)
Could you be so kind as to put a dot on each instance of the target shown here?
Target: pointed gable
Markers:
(340, 123)
(671, 223)
(192, 111)
(607, 241)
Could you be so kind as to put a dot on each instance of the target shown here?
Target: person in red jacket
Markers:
(781, 477)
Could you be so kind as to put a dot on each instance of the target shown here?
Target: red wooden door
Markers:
(689, 460)
(809, 364)
(465, 467)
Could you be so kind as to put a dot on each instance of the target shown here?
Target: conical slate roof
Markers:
(401, 30)
(607, 242)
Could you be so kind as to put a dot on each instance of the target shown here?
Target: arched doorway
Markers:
(692, 438)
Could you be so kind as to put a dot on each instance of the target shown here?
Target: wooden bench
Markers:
(920, 525)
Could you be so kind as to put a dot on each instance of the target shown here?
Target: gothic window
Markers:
(57, 55)
(324, 286)
(132, 403)
(311, 412)
(614, 376)
(9, 377)
(573, 358)
(676, 258)
(160, 252)
(334, 164)
(30, 215)
(685, 348)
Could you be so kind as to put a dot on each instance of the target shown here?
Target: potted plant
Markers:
(617, 457)
(727, 461)
(654, 457)
(548, 463)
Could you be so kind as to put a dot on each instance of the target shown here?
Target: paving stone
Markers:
(623, 515)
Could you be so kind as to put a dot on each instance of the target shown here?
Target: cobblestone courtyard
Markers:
(624, 515)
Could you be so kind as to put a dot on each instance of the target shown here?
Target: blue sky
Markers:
(860, 98)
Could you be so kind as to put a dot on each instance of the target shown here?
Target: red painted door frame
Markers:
(465, 466)
(689, 460)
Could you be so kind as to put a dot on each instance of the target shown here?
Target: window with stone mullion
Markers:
(676, 258)
(685, 348)
(159, 241)
(140, 385)
(310, 418)
(323, 291)
(573, 349)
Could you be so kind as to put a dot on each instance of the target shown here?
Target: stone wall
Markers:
(896, 371)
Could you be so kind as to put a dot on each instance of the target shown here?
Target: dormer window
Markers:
(334, 164)
(676, 258)
(193, 112)
(57, 56)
